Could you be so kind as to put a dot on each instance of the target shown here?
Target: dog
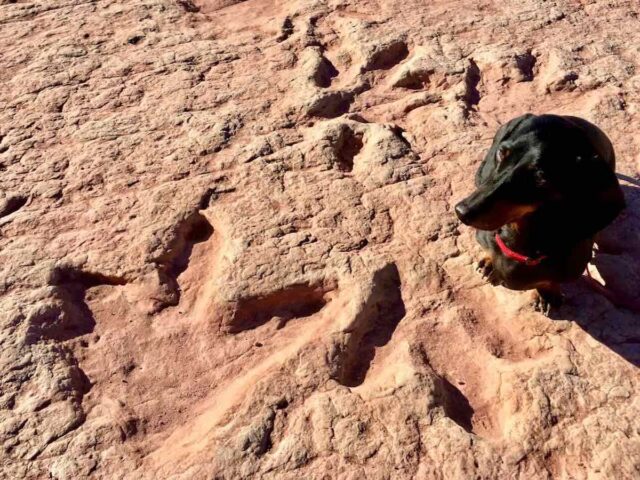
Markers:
(544, 190)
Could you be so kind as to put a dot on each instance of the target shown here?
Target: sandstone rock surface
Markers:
(227, 245)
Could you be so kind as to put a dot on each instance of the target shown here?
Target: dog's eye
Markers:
(502, 154)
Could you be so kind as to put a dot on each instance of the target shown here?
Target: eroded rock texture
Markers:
(227, 248)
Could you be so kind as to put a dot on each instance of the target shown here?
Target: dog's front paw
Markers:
(485, 268)
(541, 305)
(544, 300)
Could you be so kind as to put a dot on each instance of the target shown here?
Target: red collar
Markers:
(518, 257)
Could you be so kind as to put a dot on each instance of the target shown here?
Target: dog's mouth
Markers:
(491, 217)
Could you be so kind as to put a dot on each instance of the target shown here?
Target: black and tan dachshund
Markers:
(543, 191)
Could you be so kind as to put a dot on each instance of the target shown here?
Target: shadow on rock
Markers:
(617, 260)
(67, 314)
(374, 326)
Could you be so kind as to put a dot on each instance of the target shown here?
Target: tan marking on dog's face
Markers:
(505, 213)
(519, 211)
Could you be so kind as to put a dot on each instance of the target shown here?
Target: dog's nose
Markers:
(462, 211)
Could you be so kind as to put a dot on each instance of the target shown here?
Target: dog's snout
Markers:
(462, 211)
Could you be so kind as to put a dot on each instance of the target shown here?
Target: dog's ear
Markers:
(488, 165)
(596, 199)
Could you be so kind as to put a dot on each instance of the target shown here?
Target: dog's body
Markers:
(545, 188)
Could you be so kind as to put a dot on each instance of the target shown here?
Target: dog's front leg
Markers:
(486, 269)
(546, 297)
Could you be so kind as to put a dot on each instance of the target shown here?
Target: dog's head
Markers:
(545, 161)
